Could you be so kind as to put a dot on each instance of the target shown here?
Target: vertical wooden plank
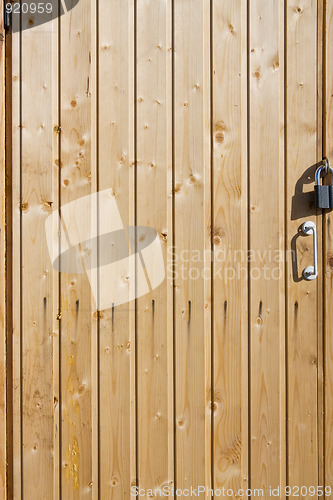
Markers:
(154, 209)
(328, 250)
(303, 296)
(230, 314)
(9, 262)
(320, 297)
(56, 169)
(92, 93)
(38, 287)
(266, 219)
(192, 188)
(116, 172)
(78, 310)
(16, 258)
(3, 253)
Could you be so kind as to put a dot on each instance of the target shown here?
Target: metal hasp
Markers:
(311, 272)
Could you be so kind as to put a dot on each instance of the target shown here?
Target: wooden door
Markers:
(204, 120)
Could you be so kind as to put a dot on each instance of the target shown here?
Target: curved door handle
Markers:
(311, 272)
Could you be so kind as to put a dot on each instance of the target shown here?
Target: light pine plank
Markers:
(16, 256)
(116, 172)
(230, 318)
(302, 300)
(92, 93)
(320, 284)
(38, 288)
(154, 209)
(3, 315)
(56, 281)
(328, 247)
(266, 219)
(192, 238)
(78, 310)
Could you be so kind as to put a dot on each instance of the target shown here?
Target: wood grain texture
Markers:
(16, 257)
(154, 210)
(38, 288)
(266, 219)
(78, 310)
(230, 318)
(202, 118)
(56, 168)
(320, 284)
(192, 238)
(116, 172)
(302, 302)
(328, 252)
(3, 316)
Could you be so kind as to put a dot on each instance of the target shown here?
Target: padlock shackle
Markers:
(318, 174)
(323, 192)
(324, 167)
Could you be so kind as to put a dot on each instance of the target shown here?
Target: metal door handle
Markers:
(311, 272)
